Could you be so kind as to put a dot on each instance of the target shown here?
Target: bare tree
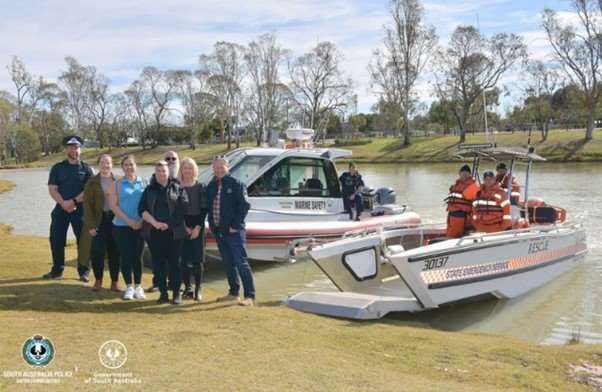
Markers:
(75, 81)
(543, 81)
(198, 104)
(139, 102)
(119, 120)
(578, 50)
(24, 84)
(472, 64)
(224, 71)
(408, 45)
(264, 58)
(97, 105)
(50, 120)
(161, 87)
(319, 85)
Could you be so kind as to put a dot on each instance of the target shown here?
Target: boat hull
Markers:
(504, 265)
(275, 241)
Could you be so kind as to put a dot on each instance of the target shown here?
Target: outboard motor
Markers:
(385, 195)
(368, 198)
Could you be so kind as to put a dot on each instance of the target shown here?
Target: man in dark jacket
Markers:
(228, 207)
(66, 187)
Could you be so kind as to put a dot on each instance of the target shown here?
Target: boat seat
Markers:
(313, 187)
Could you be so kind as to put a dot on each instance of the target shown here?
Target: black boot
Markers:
(163, 298)
(186, 279)
(198, 277)
(53, 275)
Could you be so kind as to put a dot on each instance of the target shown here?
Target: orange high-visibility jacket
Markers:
(491, 210)
(503, 181)
(461, 195)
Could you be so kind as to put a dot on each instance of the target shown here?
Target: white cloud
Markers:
(121, 37)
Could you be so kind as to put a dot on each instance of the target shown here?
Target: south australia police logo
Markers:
(38, 351)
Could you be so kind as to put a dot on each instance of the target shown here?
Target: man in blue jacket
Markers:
(228, 208)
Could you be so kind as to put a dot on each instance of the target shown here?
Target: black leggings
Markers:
(165, 252)
(130, 246)
(104, 243)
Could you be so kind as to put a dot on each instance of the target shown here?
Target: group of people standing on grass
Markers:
(112, 216)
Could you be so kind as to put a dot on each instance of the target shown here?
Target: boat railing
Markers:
(516, 232)
(299, 248)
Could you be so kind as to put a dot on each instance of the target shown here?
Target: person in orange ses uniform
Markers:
(459, 203)
(501, 178)
(491, 208)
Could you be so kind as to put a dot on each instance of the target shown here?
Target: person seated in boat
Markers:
(283, 186)
(491, 208)
(258, 188)
(351, 186)
(459, 203)
(313, 187)
(502, 177)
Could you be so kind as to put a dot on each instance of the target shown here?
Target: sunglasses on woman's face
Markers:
(171, 159)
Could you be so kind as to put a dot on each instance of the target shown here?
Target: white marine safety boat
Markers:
(415, 269)
(295, 194)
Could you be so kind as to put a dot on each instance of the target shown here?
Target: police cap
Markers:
(73, 140)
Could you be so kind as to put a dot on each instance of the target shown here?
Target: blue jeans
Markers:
(234, 257)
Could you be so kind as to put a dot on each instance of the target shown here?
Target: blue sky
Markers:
(120, 37)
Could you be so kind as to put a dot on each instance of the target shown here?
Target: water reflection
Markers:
(563, 309)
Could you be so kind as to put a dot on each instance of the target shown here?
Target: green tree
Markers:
(441, 113)
(358, 122)
(27, 144)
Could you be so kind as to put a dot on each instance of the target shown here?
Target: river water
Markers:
(569, 307)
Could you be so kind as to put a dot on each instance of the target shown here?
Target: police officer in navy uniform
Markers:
(352, 185)
(228, 207)
(66, 187)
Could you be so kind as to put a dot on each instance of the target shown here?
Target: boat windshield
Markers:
(249, 166)
(242, 166)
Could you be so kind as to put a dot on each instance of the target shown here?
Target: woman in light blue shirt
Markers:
(124, 196)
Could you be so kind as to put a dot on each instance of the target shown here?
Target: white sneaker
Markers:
(139, 293)
(129, 293)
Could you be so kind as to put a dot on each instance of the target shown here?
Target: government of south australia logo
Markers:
(38, 351)
(113, 354)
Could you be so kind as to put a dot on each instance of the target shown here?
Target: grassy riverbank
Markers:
(212, 346)
(6, 185)
(561, 146)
